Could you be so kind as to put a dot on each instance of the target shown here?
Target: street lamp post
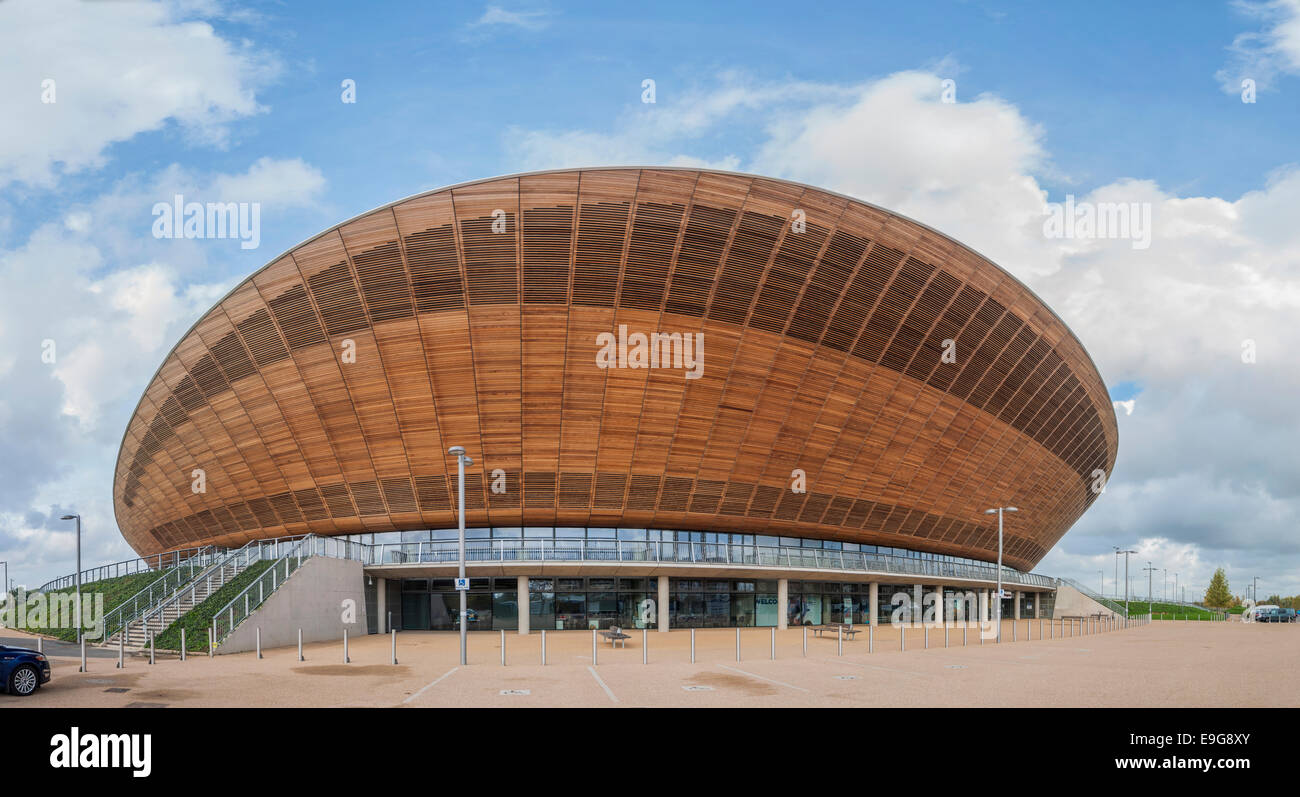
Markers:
(1116, 547)
(999, 510)
(78, 576)
(1102, 575)
(1150, 571)
(461, 461)
(1176, 592)
(1126, 555)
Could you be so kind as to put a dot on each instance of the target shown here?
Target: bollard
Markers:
(839, 633)
(300, 658)
(212, 641)
(346, 660)
(393, 633)
(1013, 630)
(182, 644)
(593, 647)
(773, 643)
(925, 632)
(871, 638)
(805, 641)
(543, 647)
(259, 641)
(40, 644)
(737, 643)
(151, 659)
(390, 621)
(83, 655)
(902, 637)
(945, 636)
(121, 650)
(964, 626)
(1040, 629)
(503, 647)
(645, 646)
(692, 646)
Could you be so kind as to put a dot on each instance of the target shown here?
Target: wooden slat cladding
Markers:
(474, 314)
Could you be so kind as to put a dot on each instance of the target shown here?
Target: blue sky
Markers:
(1119, 101)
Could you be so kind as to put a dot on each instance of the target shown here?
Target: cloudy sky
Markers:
(108, 108)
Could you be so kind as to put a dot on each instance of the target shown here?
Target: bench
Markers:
(832, 628)
(616, 637)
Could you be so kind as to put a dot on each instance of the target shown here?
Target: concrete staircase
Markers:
(179, 604)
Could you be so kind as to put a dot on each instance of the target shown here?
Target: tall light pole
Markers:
(1116, 547)
(1126, 555)
(78, 519)
(1102, 575)
(1164, 590)
(461, 461)
(1254, 589)
(1176, 593)
(999, 510)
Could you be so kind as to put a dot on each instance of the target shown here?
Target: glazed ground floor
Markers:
(529, 603)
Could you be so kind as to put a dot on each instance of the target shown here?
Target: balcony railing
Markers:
(512, 551)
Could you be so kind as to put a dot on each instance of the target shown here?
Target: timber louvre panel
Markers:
(455, 296)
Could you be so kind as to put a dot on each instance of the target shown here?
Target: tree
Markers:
(1217, 595)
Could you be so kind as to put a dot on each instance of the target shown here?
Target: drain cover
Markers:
(846, 677)
(117, 689)
(138, 704)
(516, 691)
(694, 688)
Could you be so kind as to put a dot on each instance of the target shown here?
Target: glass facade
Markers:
(581, 603)
(721, 603)
(432, 604)
(595, 602)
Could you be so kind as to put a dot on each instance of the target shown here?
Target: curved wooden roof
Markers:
(822, 352)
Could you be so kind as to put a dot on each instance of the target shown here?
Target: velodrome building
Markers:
(692, 399)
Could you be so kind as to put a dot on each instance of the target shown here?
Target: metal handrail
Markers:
(291, 560)
(217, 567)
(477, 551)
(125, 567)
(114, 624)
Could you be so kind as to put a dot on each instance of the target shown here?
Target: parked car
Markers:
(22, 670)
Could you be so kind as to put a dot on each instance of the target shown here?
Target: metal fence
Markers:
(510, 551)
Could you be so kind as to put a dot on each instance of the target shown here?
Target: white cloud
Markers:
(527, 20)
(119, 69)
(287, 183)
(1267, 54)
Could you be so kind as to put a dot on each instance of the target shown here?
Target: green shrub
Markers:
(116, 591)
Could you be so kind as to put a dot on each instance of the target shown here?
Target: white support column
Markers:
(873, 601)
(984, 605)
(521, 599)
(381, 604)
(1017, 609)
(663, 604)
(782, 603)
(939, 610)
(1038, 605)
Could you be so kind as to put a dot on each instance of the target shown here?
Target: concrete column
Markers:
(984, 605)
(918, 603)
(521, 599)
(783, 603)
(1038, 605)
(381, 604)
(1017, 606)
(938, 606)
(873, 601)
(663, 604)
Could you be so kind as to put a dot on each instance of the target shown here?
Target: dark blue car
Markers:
(22, 670)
